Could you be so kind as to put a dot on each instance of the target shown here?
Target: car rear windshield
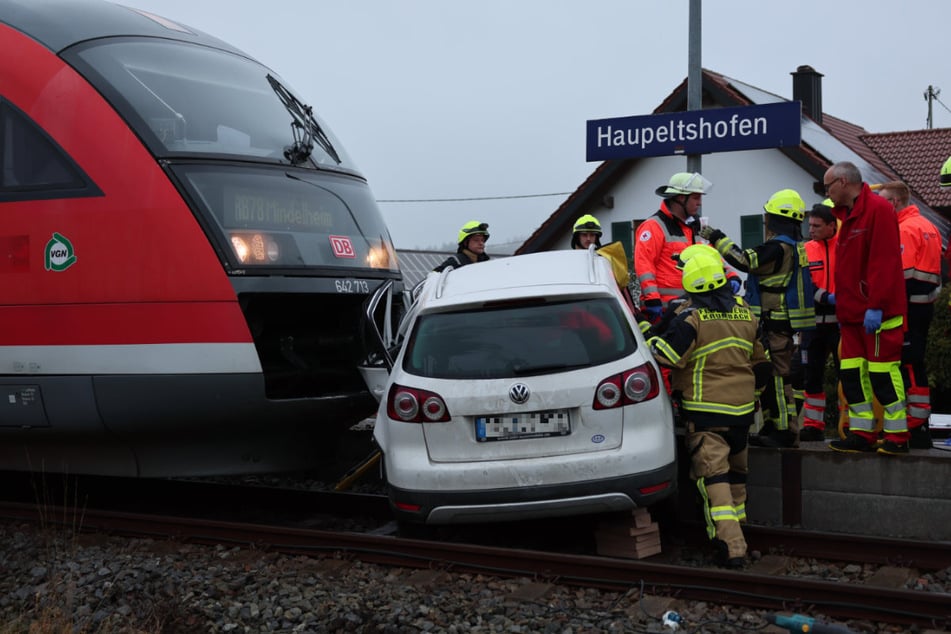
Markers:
(521, 340)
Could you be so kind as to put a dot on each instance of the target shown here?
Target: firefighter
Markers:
(717, 361)
(663, 236)
(779, 290)
(471, 240)
(921, 261)
(824, 340)
(870, 305)
(587, 231)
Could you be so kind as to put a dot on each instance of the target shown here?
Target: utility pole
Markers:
(694, 73)
(930, 95)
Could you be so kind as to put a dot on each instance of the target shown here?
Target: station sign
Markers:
(696, 131)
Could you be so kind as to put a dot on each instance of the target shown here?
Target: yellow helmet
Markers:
(703, 273)
(786, 203)
(694, 250)
(587, 224)
(828, 202)
(946, 173)
(472, 228)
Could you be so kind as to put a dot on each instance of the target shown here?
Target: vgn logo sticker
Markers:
(59, 253)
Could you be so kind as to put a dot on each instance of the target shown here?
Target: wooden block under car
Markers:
(633, 537)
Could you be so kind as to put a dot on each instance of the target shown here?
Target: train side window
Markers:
(32, 165)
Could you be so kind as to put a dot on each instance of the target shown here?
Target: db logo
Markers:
(342, 247)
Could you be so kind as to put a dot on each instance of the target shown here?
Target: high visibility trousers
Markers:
(870, 366)
(721, 481)
(814, 410)
(777, 399)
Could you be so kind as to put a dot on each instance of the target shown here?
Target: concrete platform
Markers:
(815, 488)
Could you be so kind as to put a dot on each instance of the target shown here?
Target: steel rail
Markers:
(838, 600)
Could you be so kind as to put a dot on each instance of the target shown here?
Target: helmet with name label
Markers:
(786, 203)
(471, 228)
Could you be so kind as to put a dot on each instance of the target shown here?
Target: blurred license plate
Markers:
(529, 425)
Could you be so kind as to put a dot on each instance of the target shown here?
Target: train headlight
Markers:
(241, 250)
(378, 258)
(255, 248)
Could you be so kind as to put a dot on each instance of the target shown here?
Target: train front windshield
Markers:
(278, 195)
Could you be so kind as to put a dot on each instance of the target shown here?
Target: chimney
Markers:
(807, 88)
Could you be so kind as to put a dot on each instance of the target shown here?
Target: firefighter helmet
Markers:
(786, 203)
(946, 173)
(472, 228)
(703, 272)
(694, 250)
(685, 183)
(587, 224)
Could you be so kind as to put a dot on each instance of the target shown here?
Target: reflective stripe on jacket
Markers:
(712, 354)
(821, 254)
(920, 256)
(659, 239)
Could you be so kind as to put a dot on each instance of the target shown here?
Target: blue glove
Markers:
(736, 285)
(873, 320)
(654, 313)
(830, 299)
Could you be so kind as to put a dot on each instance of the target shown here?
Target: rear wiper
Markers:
(304, 127)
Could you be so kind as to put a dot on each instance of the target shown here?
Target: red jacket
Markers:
(920, 256)
(822, 269)
(868, 253)
(659, 238)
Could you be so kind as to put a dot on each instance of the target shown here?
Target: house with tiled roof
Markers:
(621, 193)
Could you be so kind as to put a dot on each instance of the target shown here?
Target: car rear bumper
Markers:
(531, 502)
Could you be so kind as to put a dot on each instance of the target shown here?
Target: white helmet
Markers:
(685, 183)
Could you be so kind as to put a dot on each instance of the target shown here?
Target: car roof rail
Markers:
(592, 268)
(441, 284)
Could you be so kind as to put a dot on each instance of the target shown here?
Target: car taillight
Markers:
(633, 386)
(412, 405)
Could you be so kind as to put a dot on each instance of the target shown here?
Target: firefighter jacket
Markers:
(868, 251)
(660, 239)
(779, 286)
(461, 258)
(920, 256)
(821, 254)
(718, 362)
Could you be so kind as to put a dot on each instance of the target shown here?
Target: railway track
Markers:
(766, 585)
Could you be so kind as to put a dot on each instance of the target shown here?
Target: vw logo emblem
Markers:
(519, 393)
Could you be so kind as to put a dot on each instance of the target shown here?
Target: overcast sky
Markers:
(438, 99)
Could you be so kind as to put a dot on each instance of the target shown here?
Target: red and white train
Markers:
(184, 251)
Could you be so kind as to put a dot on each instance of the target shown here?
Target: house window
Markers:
(623, 232)
(751, 231)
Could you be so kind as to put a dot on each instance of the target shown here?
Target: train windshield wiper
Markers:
(304, 127)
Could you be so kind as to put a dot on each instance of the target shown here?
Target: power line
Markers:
(457, 200)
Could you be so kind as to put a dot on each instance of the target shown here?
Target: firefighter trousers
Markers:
(718, 464)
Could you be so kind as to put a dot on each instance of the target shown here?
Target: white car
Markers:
(523, 389)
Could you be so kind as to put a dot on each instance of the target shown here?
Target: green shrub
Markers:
(938, 353)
